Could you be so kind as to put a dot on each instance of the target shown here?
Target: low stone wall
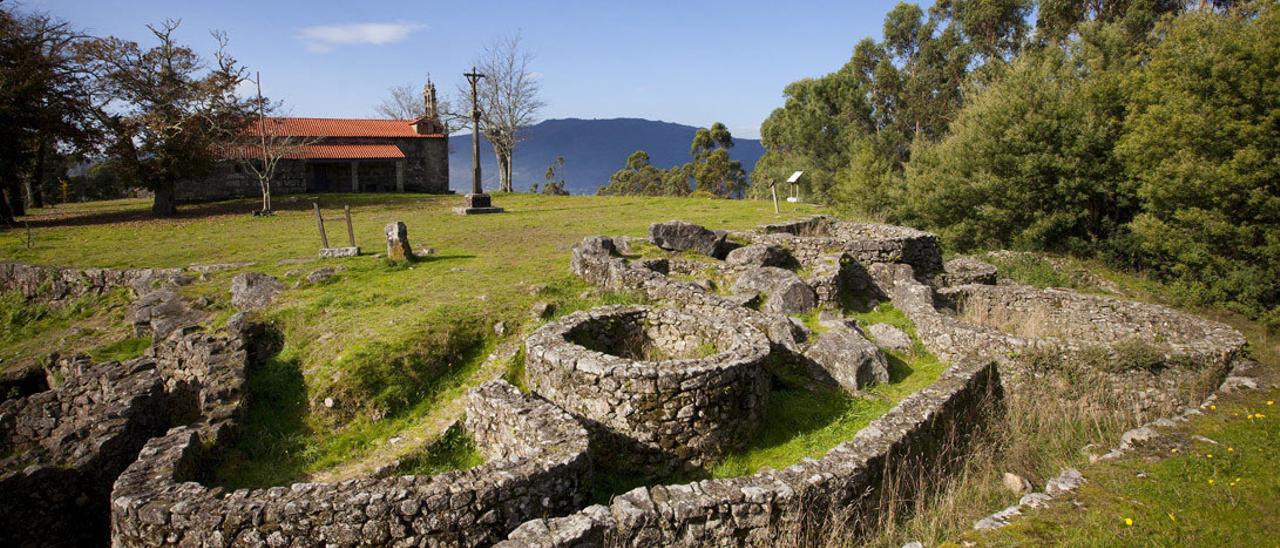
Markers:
(846, 489)
(1005, 322)
(595, 260)
(868, 243)
(58, 283)
(66, 446)
(63, 448)
(655, 412)
(537, 466)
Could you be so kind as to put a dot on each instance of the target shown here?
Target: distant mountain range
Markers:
(593, 150)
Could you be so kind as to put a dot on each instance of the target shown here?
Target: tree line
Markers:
(150, 115)
(1144, 133)
(711, 172)
(154, 113)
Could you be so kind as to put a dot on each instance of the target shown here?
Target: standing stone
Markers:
(398, 249)
(254, 290)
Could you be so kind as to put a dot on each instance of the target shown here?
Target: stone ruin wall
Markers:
(925, 429)
(58, 283)
(654, 415)
(537, 465)
(917, 438)
(954, 323)
(538, 457)
(62, 450)
(867, 243)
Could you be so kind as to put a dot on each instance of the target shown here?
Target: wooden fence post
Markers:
(351, 235)
(324, 239)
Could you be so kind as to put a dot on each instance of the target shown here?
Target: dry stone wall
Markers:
(63, 448)
(981, 329)
(58, 283)
(1006, 323)
(537, 466)
(635, 375)
(807, 240)
(917, 438)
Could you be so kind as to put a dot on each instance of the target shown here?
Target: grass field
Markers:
(391, 347)
(394, 347)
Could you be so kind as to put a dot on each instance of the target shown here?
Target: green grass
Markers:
(1186, 493)
(373, 336)
(31, 330)
(455, 450)
(799, 424)
(122, 350)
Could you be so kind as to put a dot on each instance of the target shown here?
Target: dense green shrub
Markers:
(1203, 142)
(1028, 163)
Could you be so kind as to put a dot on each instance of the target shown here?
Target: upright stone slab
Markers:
(398, 242)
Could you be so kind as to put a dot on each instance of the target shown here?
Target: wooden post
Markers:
(773, 189)
(324, 239)
(351, 235)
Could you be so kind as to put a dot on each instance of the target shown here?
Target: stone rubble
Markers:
(254, 290)
(670, 385)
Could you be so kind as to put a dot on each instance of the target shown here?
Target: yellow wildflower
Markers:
(1211, 482)
(1231, 450)
(1213, 407)
(1208, 455)
(1128, 522)
(1271, 402)
(1250, 417)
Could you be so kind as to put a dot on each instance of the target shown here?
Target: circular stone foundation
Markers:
(1027, 314)
(659, 387)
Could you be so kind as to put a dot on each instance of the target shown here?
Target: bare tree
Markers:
(508, 97)
(272, 145)
(402, 103)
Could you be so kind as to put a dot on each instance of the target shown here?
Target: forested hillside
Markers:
(1141, 132)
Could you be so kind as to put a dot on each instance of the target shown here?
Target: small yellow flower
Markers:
(1174, 450)
(1231, 450)
(1208, 455)
(1259, 415)
(1250, 417)
(1128, 522)
(1271, 402)
(1211, 482)
(1213, 407)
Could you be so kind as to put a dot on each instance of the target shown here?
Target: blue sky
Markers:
(687, 62)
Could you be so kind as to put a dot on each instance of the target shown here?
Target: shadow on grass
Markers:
(273, 439)
(899, 369)
(302, 202)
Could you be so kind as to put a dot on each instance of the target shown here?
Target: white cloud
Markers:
(323, 38)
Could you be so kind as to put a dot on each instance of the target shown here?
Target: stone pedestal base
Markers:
(339, 252)
(477, 204)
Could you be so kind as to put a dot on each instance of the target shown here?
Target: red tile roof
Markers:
(324, 152)
(342, 127)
